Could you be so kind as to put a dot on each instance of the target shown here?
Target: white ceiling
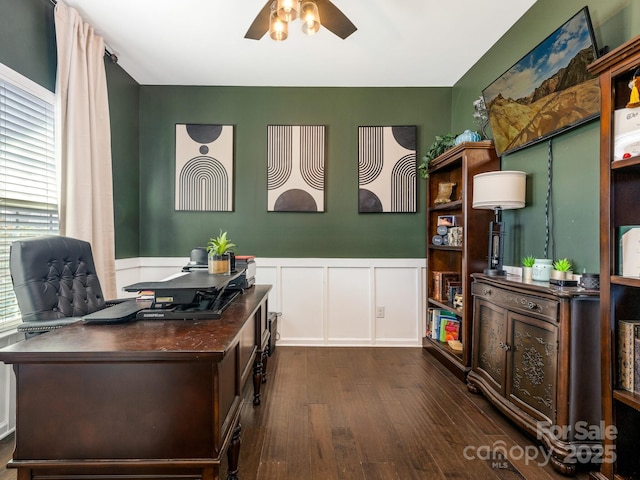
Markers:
(398, 42)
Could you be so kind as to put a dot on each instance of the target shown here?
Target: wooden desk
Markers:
(146, 399)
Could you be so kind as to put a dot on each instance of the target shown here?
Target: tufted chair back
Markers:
(55, 282)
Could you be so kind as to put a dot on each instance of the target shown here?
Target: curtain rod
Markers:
(107, 50)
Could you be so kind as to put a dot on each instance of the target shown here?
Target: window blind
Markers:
(28, 187)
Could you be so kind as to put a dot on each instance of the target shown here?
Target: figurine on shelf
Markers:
(634, 85)
(445, 190)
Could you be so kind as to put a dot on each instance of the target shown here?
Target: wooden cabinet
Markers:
(533, 357)
(458, 165)
(620, 296)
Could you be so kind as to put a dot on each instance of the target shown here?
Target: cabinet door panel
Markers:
(533, 366)
(491, 334)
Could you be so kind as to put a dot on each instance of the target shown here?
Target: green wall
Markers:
(124, 110)
(143, 121)
(338, 232)
(27, 40)
(575, 167)
(28, 46)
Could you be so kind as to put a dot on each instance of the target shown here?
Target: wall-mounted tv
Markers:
(548, 91)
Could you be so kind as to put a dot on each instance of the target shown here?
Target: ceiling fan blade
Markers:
(260, 24)
(332, 18)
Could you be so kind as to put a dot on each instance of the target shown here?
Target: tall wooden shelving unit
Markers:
(619, 296)
(458, 165)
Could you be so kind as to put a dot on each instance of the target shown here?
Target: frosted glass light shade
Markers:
(278, 30)
(310, 17)
(504, 189)
(288, 9)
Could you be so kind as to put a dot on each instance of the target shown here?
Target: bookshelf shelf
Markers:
(445, 248)
(628, 281)
(453, 205)
(630, 399)
(619, 296)
(633, 162)
(457, 165)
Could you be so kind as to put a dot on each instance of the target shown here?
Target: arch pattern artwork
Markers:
(387, 179)
(204, 168)
(295, 168)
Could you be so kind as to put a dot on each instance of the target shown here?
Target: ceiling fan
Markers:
(330, 15)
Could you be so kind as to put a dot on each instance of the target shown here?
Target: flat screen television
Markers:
(548, 91)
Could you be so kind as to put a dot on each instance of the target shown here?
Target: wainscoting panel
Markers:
(349, 306)
(326, 301)
(397, 293)
(303, 309)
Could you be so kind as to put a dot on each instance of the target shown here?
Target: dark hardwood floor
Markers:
(372, 414)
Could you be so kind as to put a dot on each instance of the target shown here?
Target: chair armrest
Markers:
(46, 325)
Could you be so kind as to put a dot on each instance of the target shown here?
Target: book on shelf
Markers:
(629, 355)
(449, 329)
(437, 322)
(439, 284)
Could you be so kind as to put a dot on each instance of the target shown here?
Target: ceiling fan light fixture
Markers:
(288, 9)
(309, 17)
(278, 30)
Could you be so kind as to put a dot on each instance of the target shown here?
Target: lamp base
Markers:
(492, 272)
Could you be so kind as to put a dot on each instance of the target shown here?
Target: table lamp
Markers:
(497, 191)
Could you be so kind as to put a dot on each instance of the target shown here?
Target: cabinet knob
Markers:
(505, 346)
(532, 306)
(486, 291)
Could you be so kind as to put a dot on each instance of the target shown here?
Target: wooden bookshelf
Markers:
(458, 165)
(619, 296)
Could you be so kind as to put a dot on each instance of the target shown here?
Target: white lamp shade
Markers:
(504, 189)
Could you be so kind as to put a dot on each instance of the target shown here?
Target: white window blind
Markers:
(28, 188)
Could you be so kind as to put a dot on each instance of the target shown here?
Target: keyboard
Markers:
(120, 312)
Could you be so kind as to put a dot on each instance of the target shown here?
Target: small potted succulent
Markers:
(527, 268)
(562, 269)
(219, 251)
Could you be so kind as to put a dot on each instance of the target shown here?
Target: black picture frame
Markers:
(548, 91)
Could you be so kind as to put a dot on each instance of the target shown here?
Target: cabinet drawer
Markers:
(529, 304)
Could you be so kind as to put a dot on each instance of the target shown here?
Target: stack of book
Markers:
(443, 325)
(441, 282)
(629, 355)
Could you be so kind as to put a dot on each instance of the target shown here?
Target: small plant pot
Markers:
(557, 274)
(219, 264)
(527, 274)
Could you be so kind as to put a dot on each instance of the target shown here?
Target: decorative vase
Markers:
(219, 264)
(541, 270)
(527, 274)
(467, 136)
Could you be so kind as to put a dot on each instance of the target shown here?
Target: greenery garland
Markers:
(437, 148)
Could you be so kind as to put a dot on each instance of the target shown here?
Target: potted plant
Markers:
(219, 249)
(441, 144)
(527, 268)
(562, 269)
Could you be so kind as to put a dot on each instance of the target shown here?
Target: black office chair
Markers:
(55, 282)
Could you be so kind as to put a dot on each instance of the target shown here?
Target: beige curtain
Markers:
(84, 140)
